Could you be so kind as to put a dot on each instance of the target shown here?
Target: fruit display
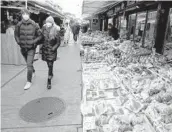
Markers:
(94, 38)
(90, 40)
(126, 88)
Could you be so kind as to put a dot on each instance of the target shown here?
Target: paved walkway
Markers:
(66, 85)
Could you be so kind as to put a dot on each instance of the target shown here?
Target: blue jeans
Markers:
(28, 55)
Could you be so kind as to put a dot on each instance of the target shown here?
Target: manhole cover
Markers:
(42, 109)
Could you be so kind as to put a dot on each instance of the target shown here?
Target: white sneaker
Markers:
(27, 86)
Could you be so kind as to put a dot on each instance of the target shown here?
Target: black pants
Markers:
(50, 69)
(75, 37)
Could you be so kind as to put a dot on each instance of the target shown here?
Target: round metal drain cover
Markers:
(42, 109)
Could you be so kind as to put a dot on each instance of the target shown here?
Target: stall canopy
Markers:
(36, 6)
(54, 11)
(93, 7)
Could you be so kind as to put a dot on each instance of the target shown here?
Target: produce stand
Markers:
(154, 23)
(126, 88)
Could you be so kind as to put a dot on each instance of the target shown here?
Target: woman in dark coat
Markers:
(51, 42)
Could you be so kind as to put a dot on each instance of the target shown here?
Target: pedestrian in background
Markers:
(67, 34)
(27, 35)
(51, 42)
(62, 33)
(75, 31)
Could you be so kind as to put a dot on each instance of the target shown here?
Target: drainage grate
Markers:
(42, 109)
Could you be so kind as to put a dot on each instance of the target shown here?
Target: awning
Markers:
(46, 7)
(92, 7)
(34, 6)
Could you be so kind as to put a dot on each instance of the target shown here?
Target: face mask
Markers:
(25, 17)
(49, 24)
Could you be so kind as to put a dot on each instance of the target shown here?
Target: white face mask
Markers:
(25, 17)
(49, 24)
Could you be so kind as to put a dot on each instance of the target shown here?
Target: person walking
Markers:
(75, 31)
(51, 42)
(27, 35)
(67, 34)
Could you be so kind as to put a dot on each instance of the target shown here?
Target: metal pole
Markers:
(129, 27)
(144, 32)
(12, 7)
(26, 3)
(134, 31)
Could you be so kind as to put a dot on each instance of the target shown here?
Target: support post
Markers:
(129, 28)
(101, 22)
(114, 21)
(145, 27)
(26, 4)
(134, 30)
(161, 26)
(106, 24)
(119, 24)
(127, 19)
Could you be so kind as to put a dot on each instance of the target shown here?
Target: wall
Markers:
(10, 51)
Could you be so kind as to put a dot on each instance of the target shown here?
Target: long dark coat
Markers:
(75, 29)
(50, 46)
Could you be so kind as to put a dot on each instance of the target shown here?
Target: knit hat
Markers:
(25, 11)
(50, 19)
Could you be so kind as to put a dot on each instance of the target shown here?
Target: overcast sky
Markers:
(72, 6)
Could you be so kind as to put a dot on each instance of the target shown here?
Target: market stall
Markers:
(126, 88)
(144, 21)
(127, 84)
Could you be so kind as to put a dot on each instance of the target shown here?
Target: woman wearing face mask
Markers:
(27, 35)
(51, 42)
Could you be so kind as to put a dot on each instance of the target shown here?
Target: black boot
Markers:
(50, 74)
(49, 84)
